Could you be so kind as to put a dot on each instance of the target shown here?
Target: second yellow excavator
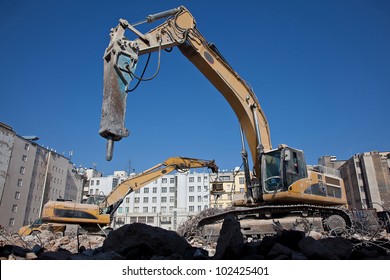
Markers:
(57, 215)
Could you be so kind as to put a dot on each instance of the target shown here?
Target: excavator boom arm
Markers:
(115, 198)
(121, 58)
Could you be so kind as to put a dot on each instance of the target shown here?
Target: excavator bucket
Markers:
(118, 69)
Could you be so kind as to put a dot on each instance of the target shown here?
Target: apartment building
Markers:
(31, 175)
(228, 187)
(367, 180)
(167, 201)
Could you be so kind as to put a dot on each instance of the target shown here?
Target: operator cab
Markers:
(281, 168)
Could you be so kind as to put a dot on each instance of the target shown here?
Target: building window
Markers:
(154, 209)
(199, 179)
(146, 199)
(127, 209)
(12, 222)
(24, 158)
(171, 199)
(146, 190)
(199, 188)
(199, 198)
(142, 220)
(22, 170)
(154, 190)
(27, 146)
(17, 195)
(91, 191)
(205, 178)
(120, 210)
(127, 199)
(92, 182)
(14, 208)
(163, 209)
(241, 180)
(163, 199)
(224, 178)
(150, 220)
(136, 210)
(136, 199)
(20, 182)
(164, 189)
(199, 208)
(172, 189)
(172, 180)
(191, 179)
(137, 191)
(97, 182)
(164, 180)
(133, 219)
(191, 189)
(191, 198)
(191, 208)
(154, 199)
(145, 210)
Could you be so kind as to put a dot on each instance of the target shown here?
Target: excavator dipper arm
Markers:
(115, 198)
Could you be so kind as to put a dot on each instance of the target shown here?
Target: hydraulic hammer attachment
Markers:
(120, 62)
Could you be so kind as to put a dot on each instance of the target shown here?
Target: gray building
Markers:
(30, 176)
(366, 178)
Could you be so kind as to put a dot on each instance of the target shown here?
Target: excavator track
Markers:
(334, 219)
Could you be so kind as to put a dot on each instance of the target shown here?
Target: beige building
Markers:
(228, 187)
(31, 175)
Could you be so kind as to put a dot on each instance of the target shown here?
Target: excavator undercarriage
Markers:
(268, 219)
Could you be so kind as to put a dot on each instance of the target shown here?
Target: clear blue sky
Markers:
(321, 71)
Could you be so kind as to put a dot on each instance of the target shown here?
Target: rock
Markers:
(290, 238)
(266, 245)
(231, 241)
(315, 234)
(340, 247)
(278, 250)
(59, 255)
(156, 240)
(314, 250)
(31, 256)
(98, 256)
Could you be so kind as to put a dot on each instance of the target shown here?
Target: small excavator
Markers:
(58, 215)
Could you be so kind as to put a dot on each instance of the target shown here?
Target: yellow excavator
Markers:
(56, 215)
(281, 183)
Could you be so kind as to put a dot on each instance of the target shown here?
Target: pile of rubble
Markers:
(141, 241)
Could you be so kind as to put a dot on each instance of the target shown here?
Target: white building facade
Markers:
(166, 202)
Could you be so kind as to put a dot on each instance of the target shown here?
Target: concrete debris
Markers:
(141, 241)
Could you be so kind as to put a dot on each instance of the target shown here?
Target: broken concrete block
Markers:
(340, 247)
(314, 250)
(161, 242)
(278, 250)
(231, 241)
